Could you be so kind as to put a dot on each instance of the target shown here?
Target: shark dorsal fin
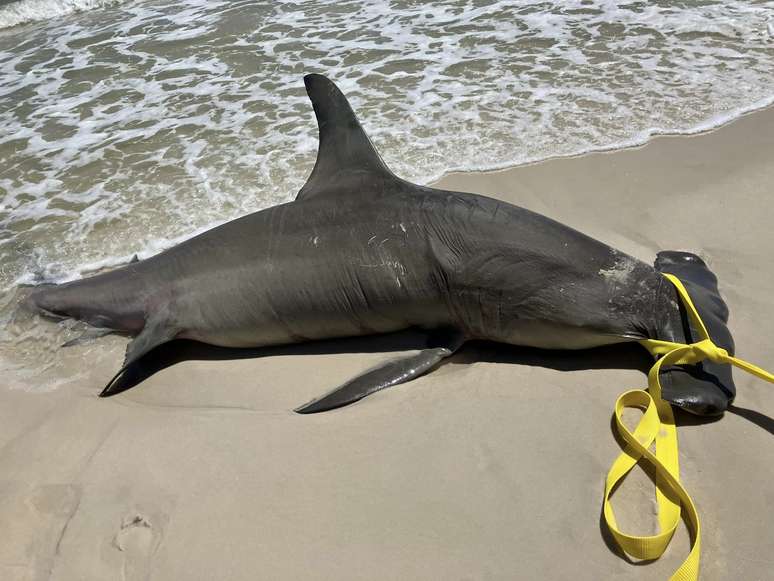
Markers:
(346, 158)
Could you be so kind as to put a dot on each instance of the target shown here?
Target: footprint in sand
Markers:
(138, 540)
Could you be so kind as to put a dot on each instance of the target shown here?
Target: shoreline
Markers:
(481, 469)
(759, 107)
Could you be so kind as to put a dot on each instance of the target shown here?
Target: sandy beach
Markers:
(491, 467)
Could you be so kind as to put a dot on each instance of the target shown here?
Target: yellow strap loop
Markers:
(657, 425)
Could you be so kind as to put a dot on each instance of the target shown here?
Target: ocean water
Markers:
(126, 126)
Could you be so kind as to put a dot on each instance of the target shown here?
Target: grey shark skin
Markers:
(361, 251)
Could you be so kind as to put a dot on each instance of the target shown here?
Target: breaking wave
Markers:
(24, 11)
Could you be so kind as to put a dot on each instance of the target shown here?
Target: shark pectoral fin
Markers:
(391, 373)
(346, 158)
(156, 332)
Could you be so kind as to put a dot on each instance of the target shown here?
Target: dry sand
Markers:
(489, 468)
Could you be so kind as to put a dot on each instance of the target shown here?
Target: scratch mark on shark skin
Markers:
(620, 272)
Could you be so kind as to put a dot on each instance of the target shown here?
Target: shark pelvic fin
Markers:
(89, 335)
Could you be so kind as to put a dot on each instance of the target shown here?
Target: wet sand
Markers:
(491, 467)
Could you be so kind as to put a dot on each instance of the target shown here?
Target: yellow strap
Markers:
(658, 424)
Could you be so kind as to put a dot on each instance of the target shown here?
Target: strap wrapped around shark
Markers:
(361, 251)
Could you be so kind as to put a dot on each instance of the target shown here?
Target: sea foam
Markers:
(24, 11)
